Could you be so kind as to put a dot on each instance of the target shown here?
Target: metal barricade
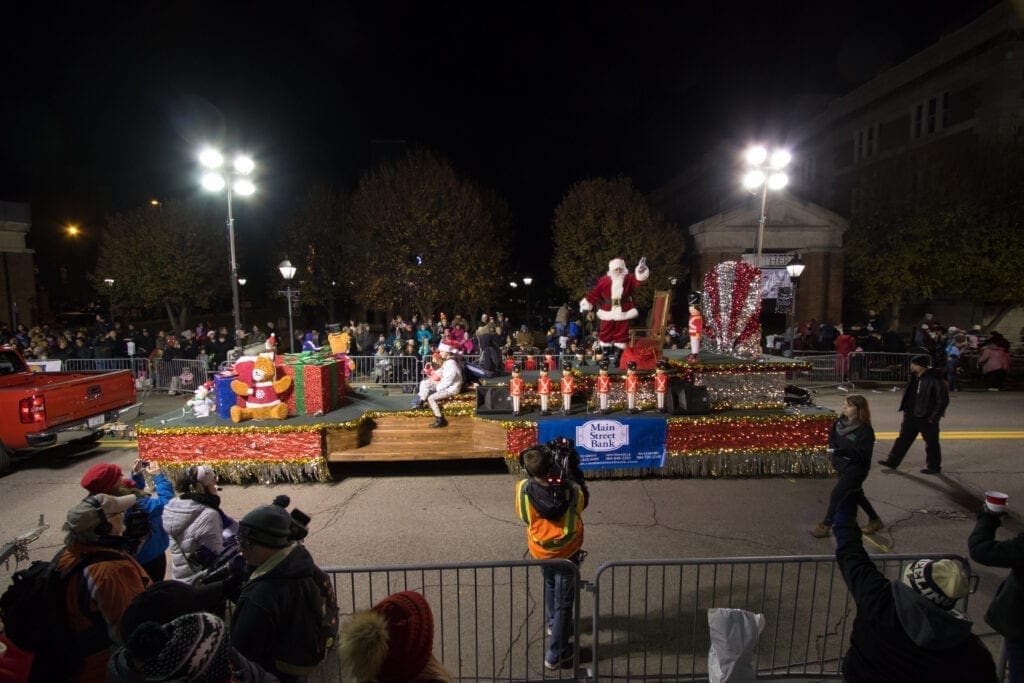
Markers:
(140, 367)
(650, 618)
(180, 374)
(827, 370)
(489, 618)
(882, 367)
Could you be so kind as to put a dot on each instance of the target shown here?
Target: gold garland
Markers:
(738, 366)
(225, 430)
(242, 471)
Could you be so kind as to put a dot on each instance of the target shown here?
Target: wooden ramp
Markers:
(401, 438)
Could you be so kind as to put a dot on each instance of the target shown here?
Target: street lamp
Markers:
(288, 272)
(795, 268)
(765, 172)
(236, 182)
(109, 282)
(527, 281)
(241, 283)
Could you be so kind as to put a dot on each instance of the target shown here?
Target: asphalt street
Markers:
(376, 515)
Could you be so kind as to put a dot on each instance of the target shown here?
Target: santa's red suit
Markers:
(613, 297)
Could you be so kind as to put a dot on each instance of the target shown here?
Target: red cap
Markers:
(103, 477)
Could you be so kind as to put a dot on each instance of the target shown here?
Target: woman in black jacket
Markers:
(1006, 613)
(850, 442)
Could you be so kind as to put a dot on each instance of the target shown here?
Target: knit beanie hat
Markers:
(941, 581)
(104, 477)
(390, 643)
(267, 525)
(193, 647)
(162, 602)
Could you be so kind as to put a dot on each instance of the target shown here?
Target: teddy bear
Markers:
(262, 397)
(201, 403)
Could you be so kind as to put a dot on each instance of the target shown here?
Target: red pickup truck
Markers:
(39, 409)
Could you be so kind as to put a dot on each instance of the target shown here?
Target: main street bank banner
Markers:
(605, 443)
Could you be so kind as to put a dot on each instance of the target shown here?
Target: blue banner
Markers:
(609, 443)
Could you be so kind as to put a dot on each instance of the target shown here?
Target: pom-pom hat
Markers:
(390, 643)
(267, 525)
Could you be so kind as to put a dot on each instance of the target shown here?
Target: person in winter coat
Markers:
(1006, 613)
(97, 593)
(923, 404)
(273, 623)
(195, 523)
(845, 344)
(851, 440)
(906, 630)
(995, 363)
(146, 656)
(107, 478)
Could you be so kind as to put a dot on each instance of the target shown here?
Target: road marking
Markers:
(118, 444)
(964, 436)
(880, 546)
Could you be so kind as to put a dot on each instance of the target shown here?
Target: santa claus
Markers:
(613, 295)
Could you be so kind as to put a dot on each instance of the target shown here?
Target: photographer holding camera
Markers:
(285, 612)
(550, 501)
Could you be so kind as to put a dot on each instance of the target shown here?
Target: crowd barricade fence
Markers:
(880, 367)
(180, 374)
(489, 618)
(141, 368)
(638, 620)
(650, 618)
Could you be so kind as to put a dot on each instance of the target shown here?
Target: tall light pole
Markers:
(288, 273)
(241, 283)
(765, 172)
(109, 282)
(236, 182)
(527, 281)
(795, 268)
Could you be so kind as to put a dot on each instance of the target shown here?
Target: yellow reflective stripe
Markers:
(524, 502)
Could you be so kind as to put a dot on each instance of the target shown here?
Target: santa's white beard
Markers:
(617, 285)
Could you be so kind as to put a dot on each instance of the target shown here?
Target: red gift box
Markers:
(316, 387)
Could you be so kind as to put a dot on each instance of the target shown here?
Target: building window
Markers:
(931, 116)
(917, 120)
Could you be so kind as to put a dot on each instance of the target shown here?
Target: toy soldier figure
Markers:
(632, 383)
(661, 384)
(544, 389)
(696, 327)
(567, 385)
(515, 389)
(604, 385)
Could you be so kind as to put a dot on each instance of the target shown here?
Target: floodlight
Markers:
(753, 179)
(756, 155)
(214, 182)
(211, 158)
(777, 181)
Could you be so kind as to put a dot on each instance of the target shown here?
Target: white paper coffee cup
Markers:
(995, 501)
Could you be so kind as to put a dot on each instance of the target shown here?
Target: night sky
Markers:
(105, 104)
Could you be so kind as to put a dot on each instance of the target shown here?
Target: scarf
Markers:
(210, 500)
(844, 425)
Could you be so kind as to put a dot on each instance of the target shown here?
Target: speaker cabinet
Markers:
(688, 399)
(493, 400)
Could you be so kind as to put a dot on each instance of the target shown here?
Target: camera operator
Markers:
(550, 501)
(278, 614)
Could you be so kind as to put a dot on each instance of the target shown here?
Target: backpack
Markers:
(327, 615)
(33, 608)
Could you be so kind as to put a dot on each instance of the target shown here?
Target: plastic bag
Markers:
(733, 654)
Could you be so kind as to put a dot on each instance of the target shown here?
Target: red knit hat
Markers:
(390, 643)
(104, 477)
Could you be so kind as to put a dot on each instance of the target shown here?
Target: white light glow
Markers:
(242, 281)
(109, 282)
(244, 165)
(287, 269)
(244, 187)
(211, 158)
(214, 182)
(753, 180)
(777, 181)
(780, 159)
(513, 284)
(527, 281)
(756, 155)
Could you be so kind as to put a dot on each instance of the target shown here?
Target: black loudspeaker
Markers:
(688, 399)
(493, 400)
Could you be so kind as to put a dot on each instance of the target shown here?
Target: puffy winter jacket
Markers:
(156, 542)
(191, 526)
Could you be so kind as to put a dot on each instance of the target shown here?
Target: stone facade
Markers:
(792, 227)
(17, 267)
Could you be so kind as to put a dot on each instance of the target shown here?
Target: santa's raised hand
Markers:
(642, 266)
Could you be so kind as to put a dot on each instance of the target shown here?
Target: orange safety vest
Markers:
(549, 539)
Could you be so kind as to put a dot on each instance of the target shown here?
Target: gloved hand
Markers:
(642, 266)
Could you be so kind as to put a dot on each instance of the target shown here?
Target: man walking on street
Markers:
(923, 405)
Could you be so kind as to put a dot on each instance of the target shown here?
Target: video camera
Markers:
(565, 465)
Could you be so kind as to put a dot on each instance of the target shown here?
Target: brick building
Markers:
(17, 266)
